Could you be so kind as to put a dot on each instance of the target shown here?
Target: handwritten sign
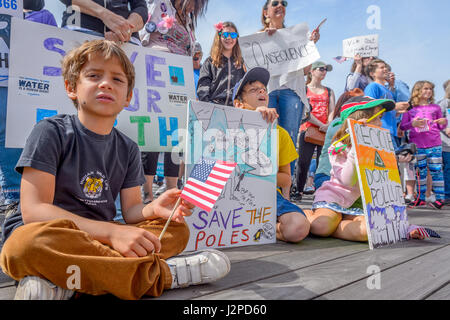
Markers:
(13, 8)
(365, 46)
(379, 181)
(157, 112)
(245, 213)
(287, 50)
(5, 32)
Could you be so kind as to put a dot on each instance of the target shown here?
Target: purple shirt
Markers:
(428, 136)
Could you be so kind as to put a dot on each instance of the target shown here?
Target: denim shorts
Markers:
(337, 208)
(285, 206)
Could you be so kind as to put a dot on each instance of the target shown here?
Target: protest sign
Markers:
(287, 50)
(380, 185)
(365, 46)
(5, 32)
(155, 116)
(13, 8)
(245, 212)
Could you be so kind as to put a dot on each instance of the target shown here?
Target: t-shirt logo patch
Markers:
(93, 185)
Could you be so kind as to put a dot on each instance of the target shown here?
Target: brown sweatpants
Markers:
(48, 249)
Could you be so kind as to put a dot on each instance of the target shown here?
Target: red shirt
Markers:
(319, 107)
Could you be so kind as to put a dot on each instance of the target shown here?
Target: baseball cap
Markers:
(363, 102)
(197, 47)
(319, 64)
(255, 74)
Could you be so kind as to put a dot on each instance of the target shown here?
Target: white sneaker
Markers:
(198, 268)
(161, 190)
(35, 288)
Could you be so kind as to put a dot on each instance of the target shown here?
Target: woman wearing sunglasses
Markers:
(223, 69)
(287, 92)
(322, 102)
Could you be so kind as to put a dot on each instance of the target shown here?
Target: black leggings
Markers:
(306, 152)
(150, 163)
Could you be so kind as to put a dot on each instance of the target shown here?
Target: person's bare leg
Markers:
(352, 228)
(292, 227)
(148, 189)
(323, 221)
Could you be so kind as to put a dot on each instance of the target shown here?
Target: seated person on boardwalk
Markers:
(337, 209)
(73, 167)
(251, 94)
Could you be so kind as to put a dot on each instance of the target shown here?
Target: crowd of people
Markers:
(47, 218)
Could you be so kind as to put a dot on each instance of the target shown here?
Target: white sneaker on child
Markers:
(198, 268)
(35, 288)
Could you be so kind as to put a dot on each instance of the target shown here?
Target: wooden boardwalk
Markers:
(329, 268)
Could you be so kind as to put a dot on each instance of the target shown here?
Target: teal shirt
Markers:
(324, 161)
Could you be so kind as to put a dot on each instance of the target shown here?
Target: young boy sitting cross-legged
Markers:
(73, 168)
(251, 94)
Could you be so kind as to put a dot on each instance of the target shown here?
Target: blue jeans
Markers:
(446, 163)
(289, 107)
(9, 178)
(319, 179)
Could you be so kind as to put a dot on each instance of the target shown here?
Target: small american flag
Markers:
(340, 59)
(424, 232)
(206, 182)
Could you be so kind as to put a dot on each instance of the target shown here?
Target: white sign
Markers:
(287, 50)
(245, 212)
(365, 46)
(164, 84)
(12, 7)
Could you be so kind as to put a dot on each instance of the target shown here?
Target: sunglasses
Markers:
(225, 35)
(322, 69)
(276, 3)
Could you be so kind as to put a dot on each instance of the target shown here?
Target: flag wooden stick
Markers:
(170, 218)
(370, 119)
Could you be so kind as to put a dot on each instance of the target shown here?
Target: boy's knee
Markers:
(296, 228)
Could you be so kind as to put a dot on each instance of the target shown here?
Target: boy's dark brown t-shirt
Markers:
(89, 169)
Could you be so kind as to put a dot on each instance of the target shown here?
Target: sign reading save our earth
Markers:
(157, 112)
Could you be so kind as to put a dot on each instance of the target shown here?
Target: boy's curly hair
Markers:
(75, 59)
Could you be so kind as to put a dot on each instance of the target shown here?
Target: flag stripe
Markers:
(196, 203)
(206, 185)
(215, 182)
(225, 171)
(200, 193)
(192, 184)
(225, 166)
(198, 200)
(217, 177)
(224, 175)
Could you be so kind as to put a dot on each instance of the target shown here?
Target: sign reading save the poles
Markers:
(13, 8)
(287, 50)
(164, 84)
(380, 184)
(245, 210)
(365, 46)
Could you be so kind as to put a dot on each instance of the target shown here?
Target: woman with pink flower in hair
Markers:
(223, 69)
(170, 28)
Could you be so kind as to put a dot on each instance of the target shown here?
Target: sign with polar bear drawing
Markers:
(245, 212)
(380, 184)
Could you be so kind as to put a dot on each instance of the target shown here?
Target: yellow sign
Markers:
(380, 184)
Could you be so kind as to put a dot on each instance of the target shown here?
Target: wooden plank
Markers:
(309, 252)
(441, 294)
(313, 281)
(414, 280)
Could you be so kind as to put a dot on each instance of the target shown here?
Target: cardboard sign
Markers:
(287, 50)
(365, 46)
(245, 212)
(13, 8)
(380, 184)
(155, 116)
(5, 33)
